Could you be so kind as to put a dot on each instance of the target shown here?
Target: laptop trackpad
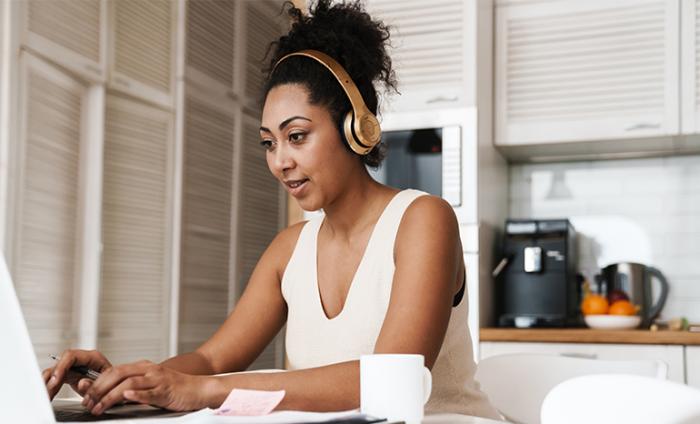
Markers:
(72, 410)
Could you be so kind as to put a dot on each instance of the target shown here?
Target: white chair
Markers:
(517, 384)
(620, 399)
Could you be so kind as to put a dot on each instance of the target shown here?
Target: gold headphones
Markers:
(360, 126)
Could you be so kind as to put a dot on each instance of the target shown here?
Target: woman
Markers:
(381, 272)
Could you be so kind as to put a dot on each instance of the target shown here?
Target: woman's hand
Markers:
(60, 373)
(148, 383)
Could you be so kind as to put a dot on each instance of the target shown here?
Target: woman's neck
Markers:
(357, 208)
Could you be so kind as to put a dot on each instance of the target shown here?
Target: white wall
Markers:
(642, 210)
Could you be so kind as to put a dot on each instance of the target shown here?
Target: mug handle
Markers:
(656, 309)
(427, 384)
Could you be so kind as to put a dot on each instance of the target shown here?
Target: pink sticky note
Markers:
(250, 402)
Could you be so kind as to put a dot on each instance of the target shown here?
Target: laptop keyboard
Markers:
(74, 411)
(63, 415)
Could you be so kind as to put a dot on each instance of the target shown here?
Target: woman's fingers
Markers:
(116, 395)
(51, 386)
(60, 370)
(171, 390)
(46, 375)
(112, 378)
(82, 386)
(73, 357)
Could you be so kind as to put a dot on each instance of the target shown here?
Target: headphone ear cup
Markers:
(347, 128)
(352, 140)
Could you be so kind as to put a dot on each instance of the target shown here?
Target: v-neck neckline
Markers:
(357, 270)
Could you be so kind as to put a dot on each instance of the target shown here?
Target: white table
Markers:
(204, 416)
(430, 419)
(457, 419)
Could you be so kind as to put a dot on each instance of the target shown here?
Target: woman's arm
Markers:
(428, 260)
(257, 318)
(334, 387)
(190, 363)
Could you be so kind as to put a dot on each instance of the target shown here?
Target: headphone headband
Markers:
(361, 127)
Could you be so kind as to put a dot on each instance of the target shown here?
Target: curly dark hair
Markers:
(349, 35)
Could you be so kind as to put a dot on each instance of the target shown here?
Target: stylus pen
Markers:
(81, 369)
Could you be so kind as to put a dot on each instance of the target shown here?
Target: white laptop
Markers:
(23, 396)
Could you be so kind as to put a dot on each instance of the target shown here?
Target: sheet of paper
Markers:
(250, 402)
(207, 416)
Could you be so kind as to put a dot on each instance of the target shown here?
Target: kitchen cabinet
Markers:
(690, 76)
(692, 366)
(595, 79)
(690, 67)
(435, 49)
(672, 355)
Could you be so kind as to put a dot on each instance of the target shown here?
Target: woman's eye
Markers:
(296, 137)
(267, 144)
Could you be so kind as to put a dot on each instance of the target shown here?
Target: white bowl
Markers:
(612, 322)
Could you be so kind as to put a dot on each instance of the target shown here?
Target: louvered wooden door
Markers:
(263, 23)
(260, 216)
(69, 32)
(206, 262)
(210, 42)
(586, 70)
(227, 195)
(429, 40)
(260, 209)
(690, 66)
(142, 53)
(136, 227)
(46, 228)
(205, 269)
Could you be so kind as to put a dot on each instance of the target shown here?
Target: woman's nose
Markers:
(282, 159)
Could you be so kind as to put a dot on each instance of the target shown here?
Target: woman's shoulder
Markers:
(282, 246)
(287, 238)
(427, 216)
(428, 209)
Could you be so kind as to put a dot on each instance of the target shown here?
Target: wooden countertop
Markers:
(587, 335)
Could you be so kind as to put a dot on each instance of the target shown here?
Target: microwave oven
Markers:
(427, 159)
(434, 152)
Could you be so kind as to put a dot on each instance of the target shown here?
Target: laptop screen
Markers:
(23, 396)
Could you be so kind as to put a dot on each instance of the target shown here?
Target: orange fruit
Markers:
(594, 304)
(623, 307)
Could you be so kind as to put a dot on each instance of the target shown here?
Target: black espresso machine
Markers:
(536, 284)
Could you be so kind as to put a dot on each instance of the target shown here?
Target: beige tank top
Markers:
(313, 340)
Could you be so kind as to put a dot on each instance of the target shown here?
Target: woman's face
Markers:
(304, 149)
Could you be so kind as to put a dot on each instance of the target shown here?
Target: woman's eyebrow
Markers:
(286, 122)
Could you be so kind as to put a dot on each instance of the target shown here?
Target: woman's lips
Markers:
(295, 187)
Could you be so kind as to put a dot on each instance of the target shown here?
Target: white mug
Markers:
(394, 386)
